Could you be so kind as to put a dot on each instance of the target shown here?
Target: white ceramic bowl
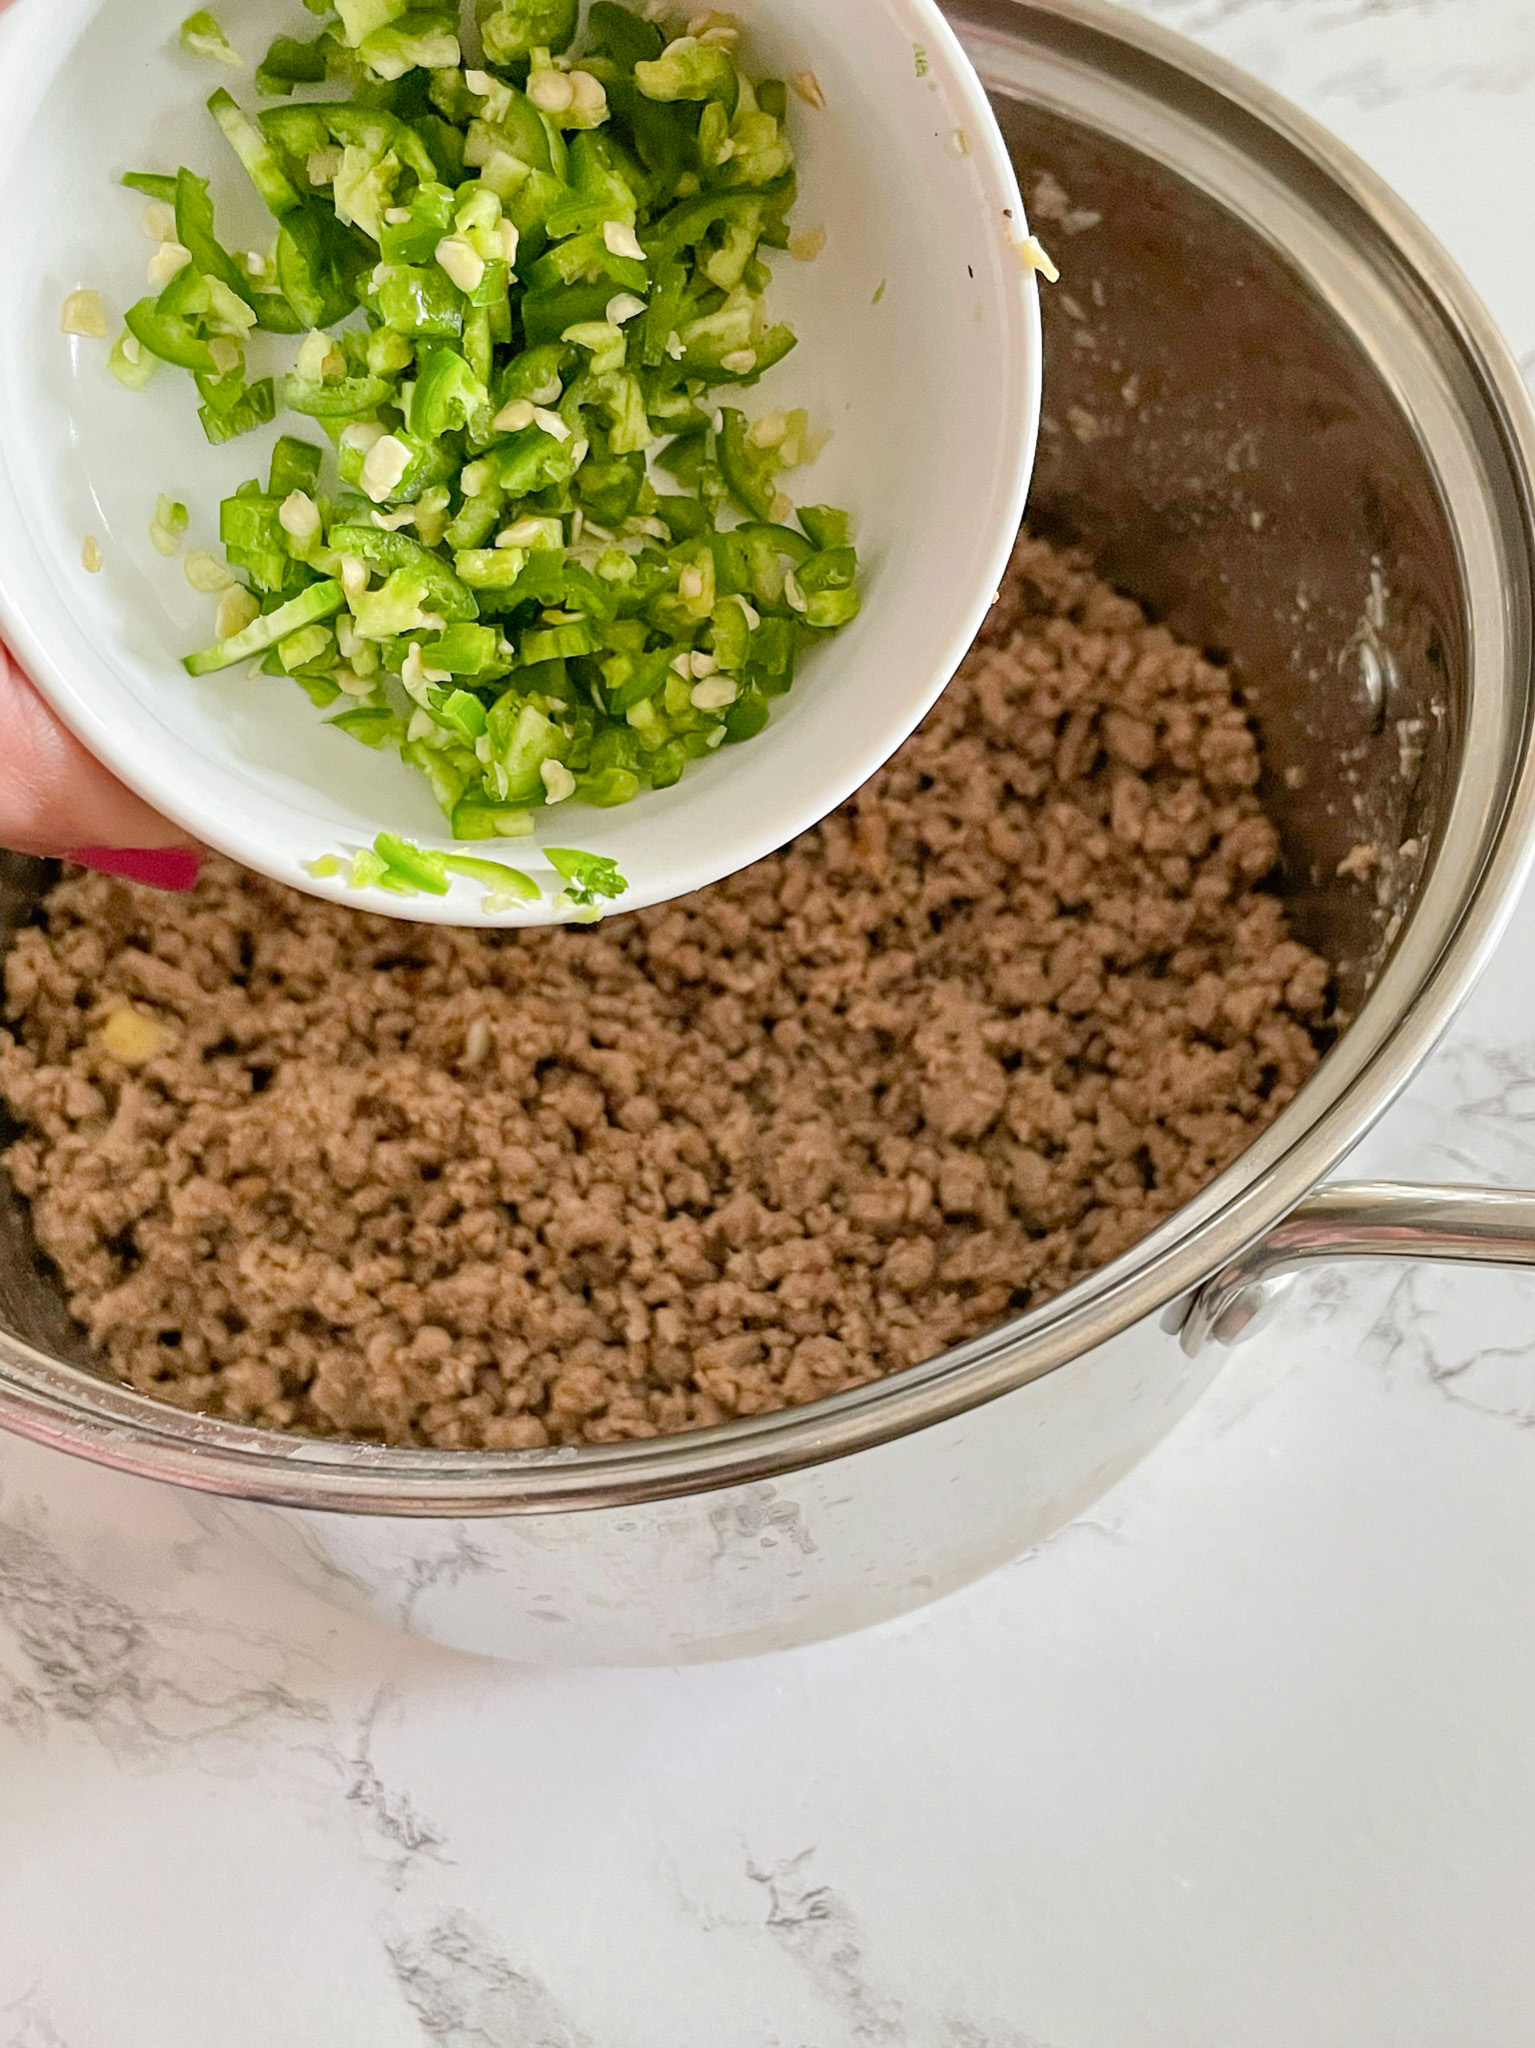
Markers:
(920, 345)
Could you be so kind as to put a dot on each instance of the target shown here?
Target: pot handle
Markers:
(1361, 1220)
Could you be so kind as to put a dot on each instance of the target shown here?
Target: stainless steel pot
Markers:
(1285, 422)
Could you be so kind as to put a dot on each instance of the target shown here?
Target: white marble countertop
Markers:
(1244, 1760)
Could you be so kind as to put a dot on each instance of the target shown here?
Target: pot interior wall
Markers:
(1230, 458)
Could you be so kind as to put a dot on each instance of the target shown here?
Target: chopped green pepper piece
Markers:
(465, 714)
(520, 739)
(195, 232)
(320, 267)
(429, 212)
(490, 568)
(234, 408)
(627, 38)
(421, 303)
(372, 725)
(360, 18)
(353, 398)
(828, 583)
(201, 36)
(397, 607)
(588, 876)
(447, 397)
(319, 601)
(295, 467)
(369, 870)
(445, 592)
(690, 70)
(170, 337)
(372, 131)
(465, 650)
(306, 647)
(512, 30)
(256, 153)
(489, 821)
(289, 63)
(826, 527)
(783, 540)
(748, 471)
(507, 886)
(418, 40)
(250, 526)
(413, 864)
(510, 292)
(153, 185)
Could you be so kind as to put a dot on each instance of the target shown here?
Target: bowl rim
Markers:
(33, 48)
(1462, 906)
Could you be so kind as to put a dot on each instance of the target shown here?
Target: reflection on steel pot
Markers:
(1285, 423)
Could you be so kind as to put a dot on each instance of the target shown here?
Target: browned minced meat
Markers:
(955, 1048)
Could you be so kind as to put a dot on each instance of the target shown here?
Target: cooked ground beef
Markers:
(955, 1048)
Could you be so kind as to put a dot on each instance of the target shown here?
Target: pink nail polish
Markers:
(175, 868)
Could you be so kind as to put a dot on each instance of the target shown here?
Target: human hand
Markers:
(56, 798)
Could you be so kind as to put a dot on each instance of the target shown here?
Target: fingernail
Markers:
(175, 868)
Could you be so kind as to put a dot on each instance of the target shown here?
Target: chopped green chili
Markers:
(588, 876)
(255, 152)
(202, 36)
(318, 601)
(517, 295)
(420, 868)
(152, 185)
(510, 885)
(406, 869)
(290, 62)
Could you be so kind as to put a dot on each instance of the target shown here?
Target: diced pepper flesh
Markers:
(550, 569)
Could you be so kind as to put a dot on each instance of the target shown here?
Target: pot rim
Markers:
(1031, 48)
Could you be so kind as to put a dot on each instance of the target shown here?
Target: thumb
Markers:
(55, 797)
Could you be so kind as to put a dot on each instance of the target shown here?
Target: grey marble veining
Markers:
(463, 1991)
(405, 1835)
(148, 1683)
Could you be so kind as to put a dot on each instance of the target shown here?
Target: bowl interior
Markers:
(920, 348)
